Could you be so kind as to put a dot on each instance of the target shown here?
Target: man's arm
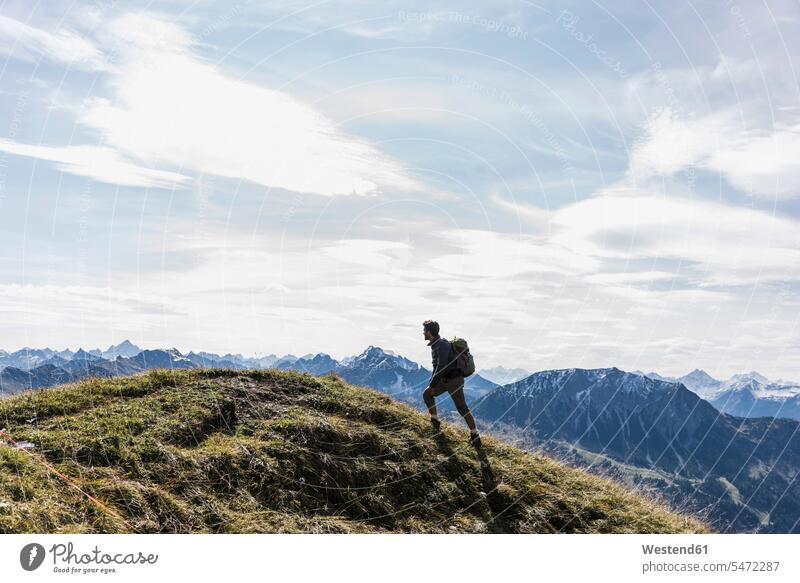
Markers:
(439, 361)
(435, 365)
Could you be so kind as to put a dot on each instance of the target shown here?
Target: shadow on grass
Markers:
(499, 511)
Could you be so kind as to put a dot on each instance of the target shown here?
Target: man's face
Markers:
(427, 335)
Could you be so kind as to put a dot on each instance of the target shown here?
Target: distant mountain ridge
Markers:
(374, 367)
(748, 394)
(503, 376)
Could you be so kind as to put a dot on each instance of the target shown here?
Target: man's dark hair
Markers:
(431, 326)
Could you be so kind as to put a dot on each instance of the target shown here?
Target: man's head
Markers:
(430, 330)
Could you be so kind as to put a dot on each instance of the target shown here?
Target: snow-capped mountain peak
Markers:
(377, 357)
(126, 348)
(747, 376)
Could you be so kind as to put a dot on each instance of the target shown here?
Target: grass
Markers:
(271, 451)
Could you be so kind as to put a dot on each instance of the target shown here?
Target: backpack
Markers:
(463, 361)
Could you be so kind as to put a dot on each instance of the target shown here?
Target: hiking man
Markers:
(446, 377)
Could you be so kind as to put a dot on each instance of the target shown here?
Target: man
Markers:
(446, 377)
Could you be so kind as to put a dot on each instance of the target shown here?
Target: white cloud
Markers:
(56, 305)
(369, 252)
(671, 144)
(171, 107)
(759, 162)
(380, 296)
(538, 218)
(693, 85)
(630, 277)
(734, 245)
(764, 165)
(96, 162)
(736, 70)
(494, 254)
(20, 40)
(296, 315)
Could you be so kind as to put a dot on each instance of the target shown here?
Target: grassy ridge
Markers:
(270, 451)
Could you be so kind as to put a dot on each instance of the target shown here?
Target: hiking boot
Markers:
(436, 425)
(475, 440)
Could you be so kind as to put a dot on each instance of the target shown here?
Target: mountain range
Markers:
(374, 367)
(656, 434)
(744, 395)
(748, 394)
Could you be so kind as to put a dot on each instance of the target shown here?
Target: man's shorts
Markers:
(454, 386)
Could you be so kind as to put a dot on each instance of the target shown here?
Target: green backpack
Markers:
(464, 363)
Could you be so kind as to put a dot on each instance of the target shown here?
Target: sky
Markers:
(563, 184)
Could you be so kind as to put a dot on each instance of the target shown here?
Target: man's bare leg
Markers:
(463, 410)
(470, 422)
(430, 402)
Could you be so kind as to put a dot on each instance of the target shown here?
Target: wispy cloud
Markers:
(97, 162)
(27, 42)
(199, 119)
(630, 277)
(204, 120)
(536, 217)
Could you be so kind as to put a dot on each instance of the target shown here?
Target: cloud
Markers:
(538, 218)
(22, 41)
(671, 144)
(303, 315)
(494, 254)
(201, 119)
(370, 253)
(58, 304)
(759, 162)
(764, 165)
(96, 162)
(630, 277)
(723, 244)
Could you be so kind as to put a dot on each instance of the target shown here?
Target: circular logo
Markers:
(31, 556)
